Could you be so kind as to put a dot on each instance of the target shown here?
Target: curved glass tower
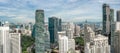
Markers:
(39, 32)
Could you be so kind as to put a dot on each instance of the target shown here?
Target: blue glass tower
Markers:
(53, 28)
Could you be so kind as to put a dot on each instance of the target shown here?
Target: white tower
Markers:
(63, 44)
(15, 40)
(4, 40)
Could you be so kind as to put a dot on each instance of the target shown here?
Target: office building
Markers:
(69, 33)
(118, 15)
(15, 42)
(63, 44)
(39, 32)
(99, 44)
(108, 20)
(95, 43)
(112, 26)
(116, 47)
(89, 34)
(53, 29)
(116, 39)
(61, 33)
(47, 39)
(69, 28)
(4, 39)
(71, 44)
(112, 36)
(54, 26)
(77, 31)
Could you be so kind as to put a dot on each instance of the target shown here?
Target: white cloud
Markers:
(80, 13)
(24, 10)
(73, 0)
(23, 19)
(22, 16)
(108, 1)
(4, 1)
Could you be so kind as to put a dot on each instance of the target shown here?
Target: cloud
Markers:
(80, 13)
(74, 10)
(108, 1)
(3, 1)
(22, 16)
(72, 0)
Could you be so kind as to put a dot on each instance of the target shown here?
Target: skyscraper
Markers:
(54, 24)
(112, 37)
(118, 15)
(70, 30)
(116, 48)
(52, 29)
(111, 34)
(63, 44)
(106, 19)
(39, 32)
(112, 15)
(15, 40)
(116, 39)
(47, 39)
(4, 40)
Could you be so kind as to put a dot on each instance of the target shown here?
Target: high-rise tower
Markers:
(53, 29)
(118, 15)
(4, 40)
(108, 21)
(39, 32)
(63, 44)
(54, 26)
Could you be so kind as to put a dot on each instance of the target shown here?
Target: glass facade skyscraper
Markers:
(54, 27)
(112, 27)
(118, 15)
(39, 32)
(108, 21)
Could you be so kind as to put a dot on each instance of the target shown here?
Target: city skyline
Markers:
(62, 26)
(74, 10)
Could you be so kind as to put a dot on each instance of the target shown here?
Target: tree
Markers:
(26, 41)
(79, 41)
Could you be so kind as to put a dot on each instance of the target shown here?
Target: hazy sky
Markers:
(69, 10)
